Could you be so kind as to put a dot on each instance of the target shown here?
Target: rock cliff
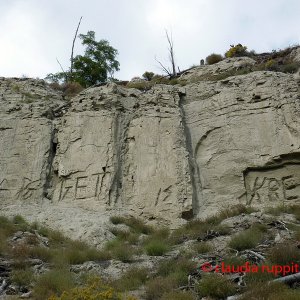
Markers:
(167, 154)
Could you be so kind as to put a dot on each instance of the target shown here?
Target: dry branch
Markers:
(73, 44)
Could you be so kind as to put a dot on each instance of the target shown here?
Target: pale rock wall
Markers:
(242, 122)
(166, 155)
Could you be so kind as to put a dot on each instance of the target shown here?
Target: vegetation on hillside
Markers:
(184, 261)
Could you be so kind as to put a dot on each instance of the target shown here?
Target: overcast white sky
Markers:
(34, 32)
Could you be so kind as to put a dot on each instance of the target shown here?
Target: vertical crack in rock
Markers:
(49, 168)
(120, 131)
(194, 170)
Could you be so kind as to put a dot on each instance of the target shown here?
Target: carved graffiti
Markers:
(81, 187)
(274, 185)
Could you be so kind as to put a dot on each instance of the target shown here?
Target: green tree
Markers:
(95, 66)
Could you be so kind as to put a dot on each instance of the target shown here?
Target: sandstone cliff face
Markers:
(165, 155)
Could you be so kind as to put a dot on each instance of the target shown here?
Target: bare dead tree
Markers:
(73, 44)
(170, 72)
(171, 52)
(65, 73)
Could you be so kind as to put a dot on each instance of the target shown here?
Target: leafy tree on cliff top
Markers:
(98, 61)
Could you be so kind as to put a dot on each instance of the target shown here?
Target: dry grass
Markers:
(284, 254)
(158, 286)
(215, 286)
(53, 282)
(131, 279)
(272, 291)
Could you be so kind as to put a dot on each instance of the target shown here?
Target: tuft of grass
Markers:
(202, 247)
(158, 242)
(20, 251)
(135, 224)
(22, 277)
(156, 247)
(247, 239)
(53, 283)
(273, 290)
(158, 286)
(176, 269)
(215, 286)
(284, 254)
(125, 235)
(43, 253)
(131, 279)
(120, 250)
(198, 228)
(20, 223)
(94, 289)
(290, 209)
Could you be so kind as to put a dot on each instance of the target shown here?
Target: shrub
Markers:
(22, 277)
(202, 247)
(273, 290)
(216, 286)
(271, 65)
(43, 253)
(156, 247)
(284, 254)
(131, 279)
(148, 75)
(94, 289)
(71, 89)
(20, 251)
(246, 240)
(135, 224)
(213, 58)
(158, 286)
(236, 51)
(125, 235)
(20, 223)
(176, 269)
(120, 250)
(53, 283)
(290, 67)
(140, 85)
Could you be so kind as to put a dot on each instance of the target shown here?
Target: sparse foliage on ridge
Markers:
(96, 65)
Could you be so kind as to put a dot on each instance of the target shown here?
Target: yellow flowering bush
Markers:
(238, 50)
(94, 290)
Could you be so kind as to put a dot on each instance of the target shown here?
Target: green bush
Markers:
(213, 58)
(148, 75)
(236, 51)
(216, 286)
(156, 247)
(53, 283)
